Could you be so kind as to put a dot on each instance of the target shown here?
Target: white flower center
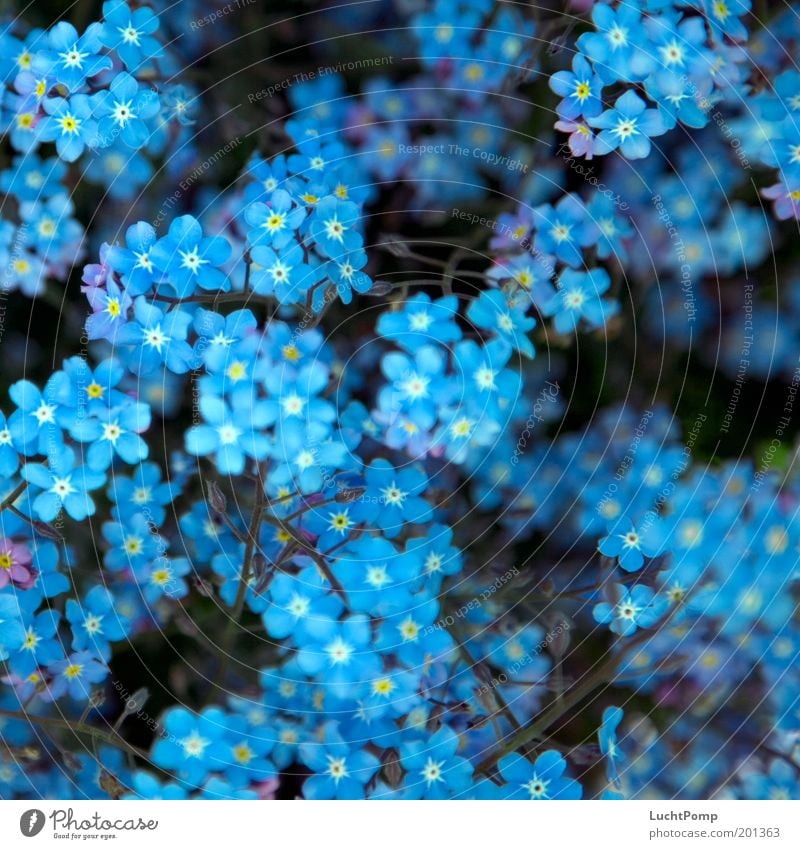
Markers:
(337, 768)
(155, 337)
(334, 229)
(394, 495)
(73, 58)
(111, 432)
(45, 413)
(62, 487)
(432, 771)
(420, 321)
(228, 434)
(130, 35)
(339, 651)
(293, 405)
(194, 745)
(192, 260)
(123, 112)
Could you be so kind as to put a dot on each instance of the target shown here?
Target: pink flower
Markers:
(581, 139)
(787, 201)
(15, 565)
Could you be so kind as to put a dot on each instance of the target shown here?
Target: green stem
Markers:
(226, 644)
(217, 298)
(76, 728)
(9, 500)
(603, 674)
(306, 549)
(501, 702)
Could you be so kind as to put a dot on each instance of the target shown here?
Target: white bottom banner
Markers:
(393, 825)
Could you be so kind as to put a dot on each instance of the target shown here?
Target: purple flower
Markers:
(95, 274)
(581, 139)
(15, 565)
(110, 307)
(786, 200)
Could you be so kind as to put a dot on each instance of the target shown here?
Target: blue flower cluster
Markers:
(683, 56)
(686, 58)
(358, 456)
(88, 98)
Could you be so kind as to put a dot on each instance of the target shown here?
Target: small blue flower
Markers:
(123, 111)
(96, 623)
(30, 178)
(12, 629)
(607, 738)
(298, 395)
(63, 485)
(43, 645)
(9, 455)
(636, 608)
(188, 259)
(307, 456)
(164, 578)
(333, 227)
(434, 770)
(156, 337)
(413, 636)
(267, 176)
(418, 385)
(631, 544)
(421, 321)
(74, 676)
(274, 223)
(70, 124)
(144, 491)
(399, 496)
(247, 761)
(133, 262)
(90, 392)
(230, 433)
(628, 126)
(680, 99)
(194, 744)
(133, 543)
(581, 89)
(614, 229)
(51, 227)
(282, 272)
(129, 33)
(543, 779)
(505, 318)
(36, 426)
(297, 602)
(341, 769)
(724, 17)
(345, 272)
(618, 49)
(579, 297)
(114, 432)
(71, 59)
(376, 580)
(339, 655)
(563, 230)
